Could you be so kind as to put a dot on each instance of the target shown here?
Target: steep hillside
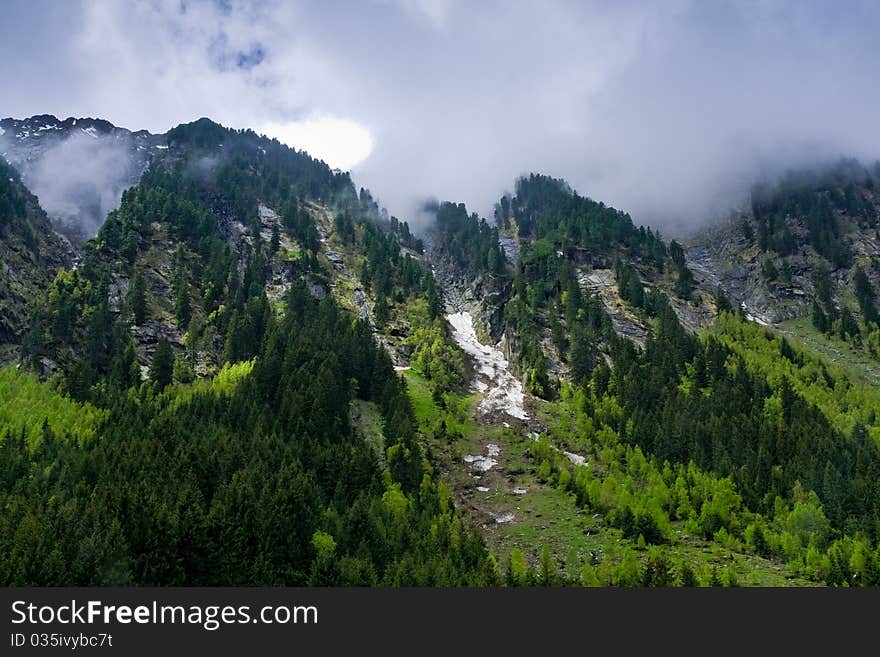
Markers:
(213, 233)
(266, 437)
(292, 388)
(768, 258)
(684, 429)
(579, 269)
(31, 253)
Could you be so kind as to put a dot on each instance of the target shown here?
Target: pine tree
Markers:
(819, 318)
(722, 303)
(435, 299)
(864, 293)
(381, 312)
(849, 327)
(162, 368)
(275, 242)
(182, 308)
(549, 568)
(137, 297)
(686, 576)
(582, 355)
(518, 570)
(124, 370)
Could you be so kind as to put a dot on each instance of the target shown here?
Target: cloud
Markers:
(667, 110)
(341, 143)
(81, 179)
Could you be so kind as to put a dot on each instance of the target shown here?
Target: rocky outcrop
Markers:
(483, 296)
(722, 257)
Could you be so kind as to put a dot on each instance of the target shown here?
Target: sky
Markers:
(668, 110)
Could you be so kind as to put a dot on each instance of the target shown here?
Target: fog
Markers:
(670, 111)
(80, 179)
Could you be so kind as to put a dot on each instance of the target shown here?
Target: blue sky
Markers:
(666, 109)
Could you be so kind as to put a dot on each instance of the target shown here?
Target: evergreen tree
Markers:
(582, 356)
(137, 297)
(381, 312)
(182, 307)
(722, 303)
(819, 318)
(849, 327)
(275, 241)
(864, 292)
(162, 368)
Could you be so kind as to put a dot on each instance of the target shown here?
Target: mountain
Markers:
(219, 371)
(635, 368)
(252, 374)
(560, 248)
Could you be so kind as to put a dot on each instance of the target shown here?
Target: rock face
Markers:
(77, 167)
(601, 283)
(721, 257)
(482, 296)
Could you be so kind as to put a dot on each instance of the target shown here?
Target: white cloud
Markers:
(341, 143)
(668, 111)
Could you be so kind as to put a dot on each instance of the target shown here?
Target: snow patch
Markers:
(520, 491)
(160, 147)
(482, 489)
(753, 318)
(504, 517)
(485, 463)
(480, 463)
(90, 131)
(505, 392)
(577, 459)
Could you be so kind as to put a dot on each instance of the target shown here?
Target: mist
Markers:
(670, 111)
(671, 115)
(81, 179)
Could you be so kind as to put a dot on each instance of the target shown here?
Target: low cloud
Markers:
(81, 179)
(667, 110)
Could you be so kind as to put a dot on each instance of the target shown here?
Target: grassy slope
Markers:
(855, 362)
(546, 515)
